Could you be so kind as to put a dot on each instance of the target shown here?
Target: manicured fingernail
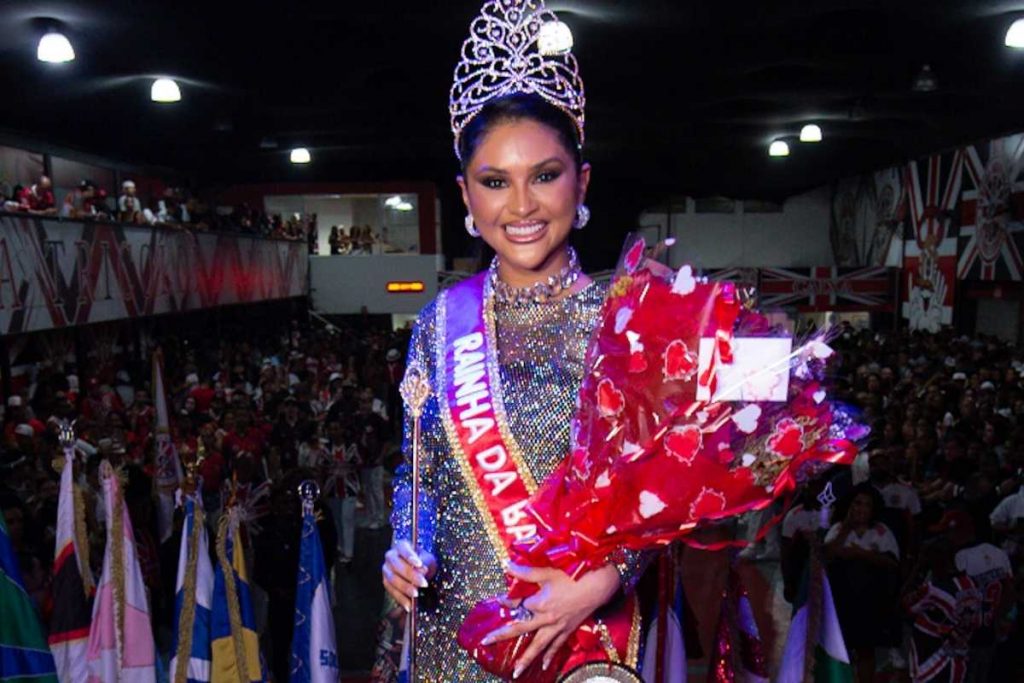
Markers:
(488, 639)
(421, 581)
(546, 664)
(515, 674)
(415, 593)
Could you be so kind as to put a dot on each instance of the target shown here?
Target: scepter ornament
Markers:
(415, 390)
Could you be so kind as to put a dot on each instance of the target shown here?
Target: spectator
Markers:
(129, 207)
(82, 202)
(989, 568)
(863, 568)
(36, 198)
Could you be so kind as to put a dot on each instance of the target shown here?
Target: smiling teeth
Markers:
(524, 230)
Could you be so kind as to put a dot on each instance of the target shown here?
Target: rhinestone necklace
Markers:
(539, 292)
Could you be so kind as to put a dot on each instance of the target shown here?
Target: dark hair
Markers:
(516, 107)
(877, 503)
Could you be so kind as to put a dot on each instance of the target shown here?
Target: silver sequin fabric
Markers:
(541, 350)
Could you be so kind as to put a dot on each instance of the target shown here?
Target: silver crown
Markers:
(502, 57)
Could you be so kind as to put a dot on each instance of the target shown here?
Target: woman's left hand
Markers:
(558, 608)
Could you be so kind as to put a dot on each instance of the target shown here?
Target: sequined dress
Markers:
(541, 350)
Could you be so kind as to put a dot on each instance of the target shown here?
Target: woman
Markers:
(863, 568)
(524, 184)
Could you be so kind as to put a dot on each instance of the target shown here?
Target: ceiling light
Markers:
(165, 90)
(926, 80)
(554, 38)
(55, 48)
(778, 148)
(810, 133)
(1015, 34)
(392, 202)
(300, 155)
(404, 206)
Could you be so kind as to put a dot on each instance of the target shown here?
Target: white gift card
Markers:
(759, 370)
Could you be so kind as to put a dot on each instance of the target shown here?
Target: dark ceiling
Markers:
(684, 96)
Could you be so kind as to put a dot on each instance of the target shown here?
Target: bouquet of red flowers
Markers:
(694, 408)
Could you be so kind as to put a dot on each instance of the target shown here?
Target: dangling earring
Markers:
(471, 227)
(582, 217)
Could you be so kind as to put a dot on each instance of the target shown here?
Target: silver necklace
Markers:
(539, 292)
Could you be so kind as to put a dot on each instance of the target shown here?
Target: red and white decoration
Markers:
(991, 209)
(58, 273)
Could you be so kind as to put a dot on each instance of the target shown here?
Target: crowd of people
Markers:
(264, 413)
(924, 549)
(358, 239)
(174, 207)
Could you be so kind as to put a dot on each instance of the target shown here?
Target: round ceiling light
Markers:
(810, 133)
(55, 48)
(300, 155)
(554, 38)
(778, 148)
(165, 90)
(1015, 35)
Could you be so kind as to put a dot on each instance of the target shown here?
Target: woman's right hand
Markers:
(405, 572)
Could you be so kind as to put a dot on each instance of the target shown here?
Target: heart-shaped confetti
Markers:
(748, 459)
(602, 480)
(746, 419)
(683, 443)
(684, 282)
(650, 504)
(786, 440)
(680, 362)
(610, 400)
(637, 358)
(708, 502)
(819, 395)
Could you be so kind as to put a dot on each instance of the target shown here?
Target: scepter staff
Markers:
(415, 390)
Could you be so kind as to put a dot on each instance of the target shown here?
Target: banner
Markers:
(60, 273)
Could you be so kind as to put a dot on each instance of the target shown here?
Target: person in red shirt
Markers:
(245, 438)
(36, 198)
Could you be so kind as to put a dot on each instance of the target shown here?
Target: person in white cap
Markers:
(129, 208)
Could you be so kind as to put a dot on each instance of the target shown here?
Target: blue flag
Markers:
(314, 647)
(24, 653)
(192, 601)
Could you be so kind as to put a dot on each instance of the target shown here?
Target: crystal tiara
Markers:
(502, 57)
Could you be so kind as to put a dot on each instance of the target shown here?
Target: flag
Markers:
(314, 647)
(815, 608)
(120, 637)
(193, 599)
(738, 652)
(168, 466)
(675, 650)
(24, 655)
(73, 584)
(236, 649)
(674, 657)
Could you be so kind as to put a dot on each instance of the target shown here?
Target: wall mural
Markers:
(952, 216)
(55, 274)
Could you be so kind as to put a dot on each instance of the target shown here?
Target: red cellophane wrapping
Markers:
(648, 461)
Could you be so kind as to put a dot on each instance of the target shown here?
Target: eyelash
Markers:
(499, 183)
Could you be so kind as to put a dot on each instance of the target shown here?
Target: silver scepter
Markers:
(415, 390)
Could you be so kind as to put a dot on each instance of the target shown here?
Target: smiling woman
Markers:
(504, 352)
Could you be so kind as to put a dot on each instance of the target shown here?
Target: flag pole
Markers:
(415, 390)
